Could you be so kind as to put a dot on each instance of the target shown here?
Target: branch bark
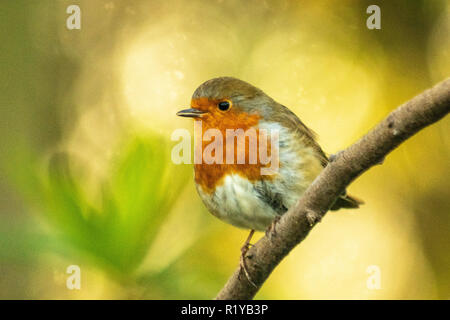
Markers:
(262, 258)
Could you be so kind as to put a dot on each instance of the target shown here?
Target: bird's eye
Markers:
(224, 105)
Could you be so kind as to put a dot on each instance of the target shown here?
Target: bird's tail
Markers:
(346, 201)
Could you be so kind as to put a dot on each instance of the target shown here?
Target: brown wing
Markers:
(291, 120)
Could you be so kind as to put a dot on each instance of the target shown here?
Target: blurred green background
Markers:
(85, 123)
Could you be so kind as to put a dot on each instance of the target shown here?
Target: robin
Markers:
(238, 193)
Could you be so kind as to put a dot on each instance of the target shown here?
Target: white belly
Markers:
(237, 202)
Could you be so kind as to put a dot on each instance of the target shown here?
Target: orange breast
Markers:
(209, 176)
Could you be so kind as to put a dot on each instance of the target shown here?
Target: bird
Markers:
(238, 193)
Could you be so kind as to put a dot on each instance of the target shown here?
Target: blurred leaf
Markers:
(117, 231)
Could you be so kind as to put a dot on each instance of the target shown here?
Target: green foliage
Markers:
(116, 231)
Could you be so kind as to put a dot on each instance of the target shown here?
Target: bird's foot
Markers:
(271, 230)
(334, 156)
(313, 217)
(242, 264)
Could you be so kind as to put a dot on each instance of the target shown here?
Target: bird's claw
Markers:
(313, 218)
(334, 156)
(271, 230)
(242, 264)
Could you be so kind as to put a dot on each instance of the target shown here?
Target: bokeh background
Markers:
(85, 123)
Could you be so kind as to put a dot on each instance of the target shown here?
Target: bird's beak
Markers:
(191, 113)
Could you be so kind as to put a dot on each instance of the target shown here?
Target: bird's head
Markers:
(228, 101)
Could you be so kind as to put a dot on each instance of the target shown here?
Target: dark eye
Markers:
(224, 105)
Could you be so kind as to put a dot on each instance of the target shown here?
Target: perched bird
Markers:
(238, 193)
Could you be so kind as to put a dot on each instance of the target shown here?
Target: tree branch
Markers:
(423, 110)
